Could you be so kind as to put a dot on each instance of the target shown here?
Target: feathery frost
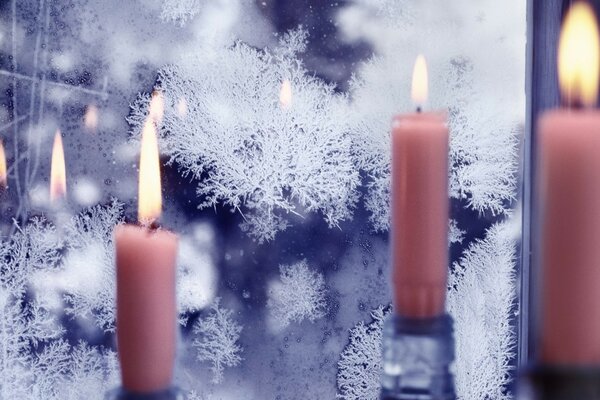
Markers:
(298, 295)
(482, 301)
(270, 161)
(217, 336)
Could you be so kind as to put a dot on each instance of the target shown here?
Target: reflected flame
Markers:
(90, 119)
(579, 55)
(420, 82)
(58, 175)
(285, 94)
(157, 107)
(149, 192)
(182, 107)
(3, 171)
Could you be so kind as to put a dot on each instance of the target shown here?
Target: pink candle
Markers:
(568, 190)
(420, 208)
(3, 170)
(146, 308)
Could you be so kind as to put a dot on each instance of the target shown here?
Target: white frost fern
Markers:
(359, 367)
(299, 294)
(269, 162)
(482, 301)
(217, 336)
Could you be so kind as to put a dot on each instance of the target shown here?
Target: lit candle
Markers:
(58, 174)
(568, 194)
(420, 206)
(146, 308)
(3, 170)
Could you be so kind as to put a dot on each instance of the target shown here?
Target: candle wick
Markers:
(419, 109)
(572, 102)
(149, 226)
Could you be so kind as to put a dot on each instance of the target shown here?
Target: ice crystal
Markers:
(298, 295)
(76, 372)
(455, 234)
(482, 300)
(359, 366)
(88, 272)
(266, 160)
(217, 336)
(179, 11)
(36, 362)
(24, 325)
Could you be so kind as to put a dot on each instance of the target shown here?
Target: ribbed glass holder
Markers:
(417, 357)
(168, 394)
(559, 383)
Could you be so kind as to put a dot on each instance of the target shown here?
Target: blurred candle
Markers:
(146, 308)
(568, 195)
(90, 119)
(419, 228)
(3, 170)
(58, 174)
(285, 95)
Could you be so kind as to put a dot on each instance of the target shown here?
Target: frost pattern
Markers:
(77, 372)
(89, 268)
(481, 300)
(36, 362)
(269, 162)
(217, 340)
(179, 11)
(24, 324)
(455, 234)
(359, 366)
(299, 295)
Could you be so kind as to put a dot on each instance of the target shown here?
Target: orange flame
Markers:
(58, 175)
(3, 171)
(90, 119)
(579, 55)
(285, 94)
(420, 82)
(149, 192)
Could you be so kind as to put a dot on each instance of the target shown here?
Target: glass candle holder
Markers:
(417, 355)
(172, 393)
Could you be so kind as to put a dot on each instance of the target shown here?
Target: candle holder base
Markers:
(172, 393)
(417, 355)
(559, 383)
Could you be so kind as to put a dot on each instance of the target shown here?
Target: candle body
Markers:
(419, 229)
(146, 307)
(568, 193)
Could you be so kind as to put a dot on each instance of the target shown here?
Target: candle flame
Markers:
(285, 94)
(157, 107)
(3, 171)
(90, 119)
(58, 175)
(579, 55)
(149, 196)
(420, 82)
